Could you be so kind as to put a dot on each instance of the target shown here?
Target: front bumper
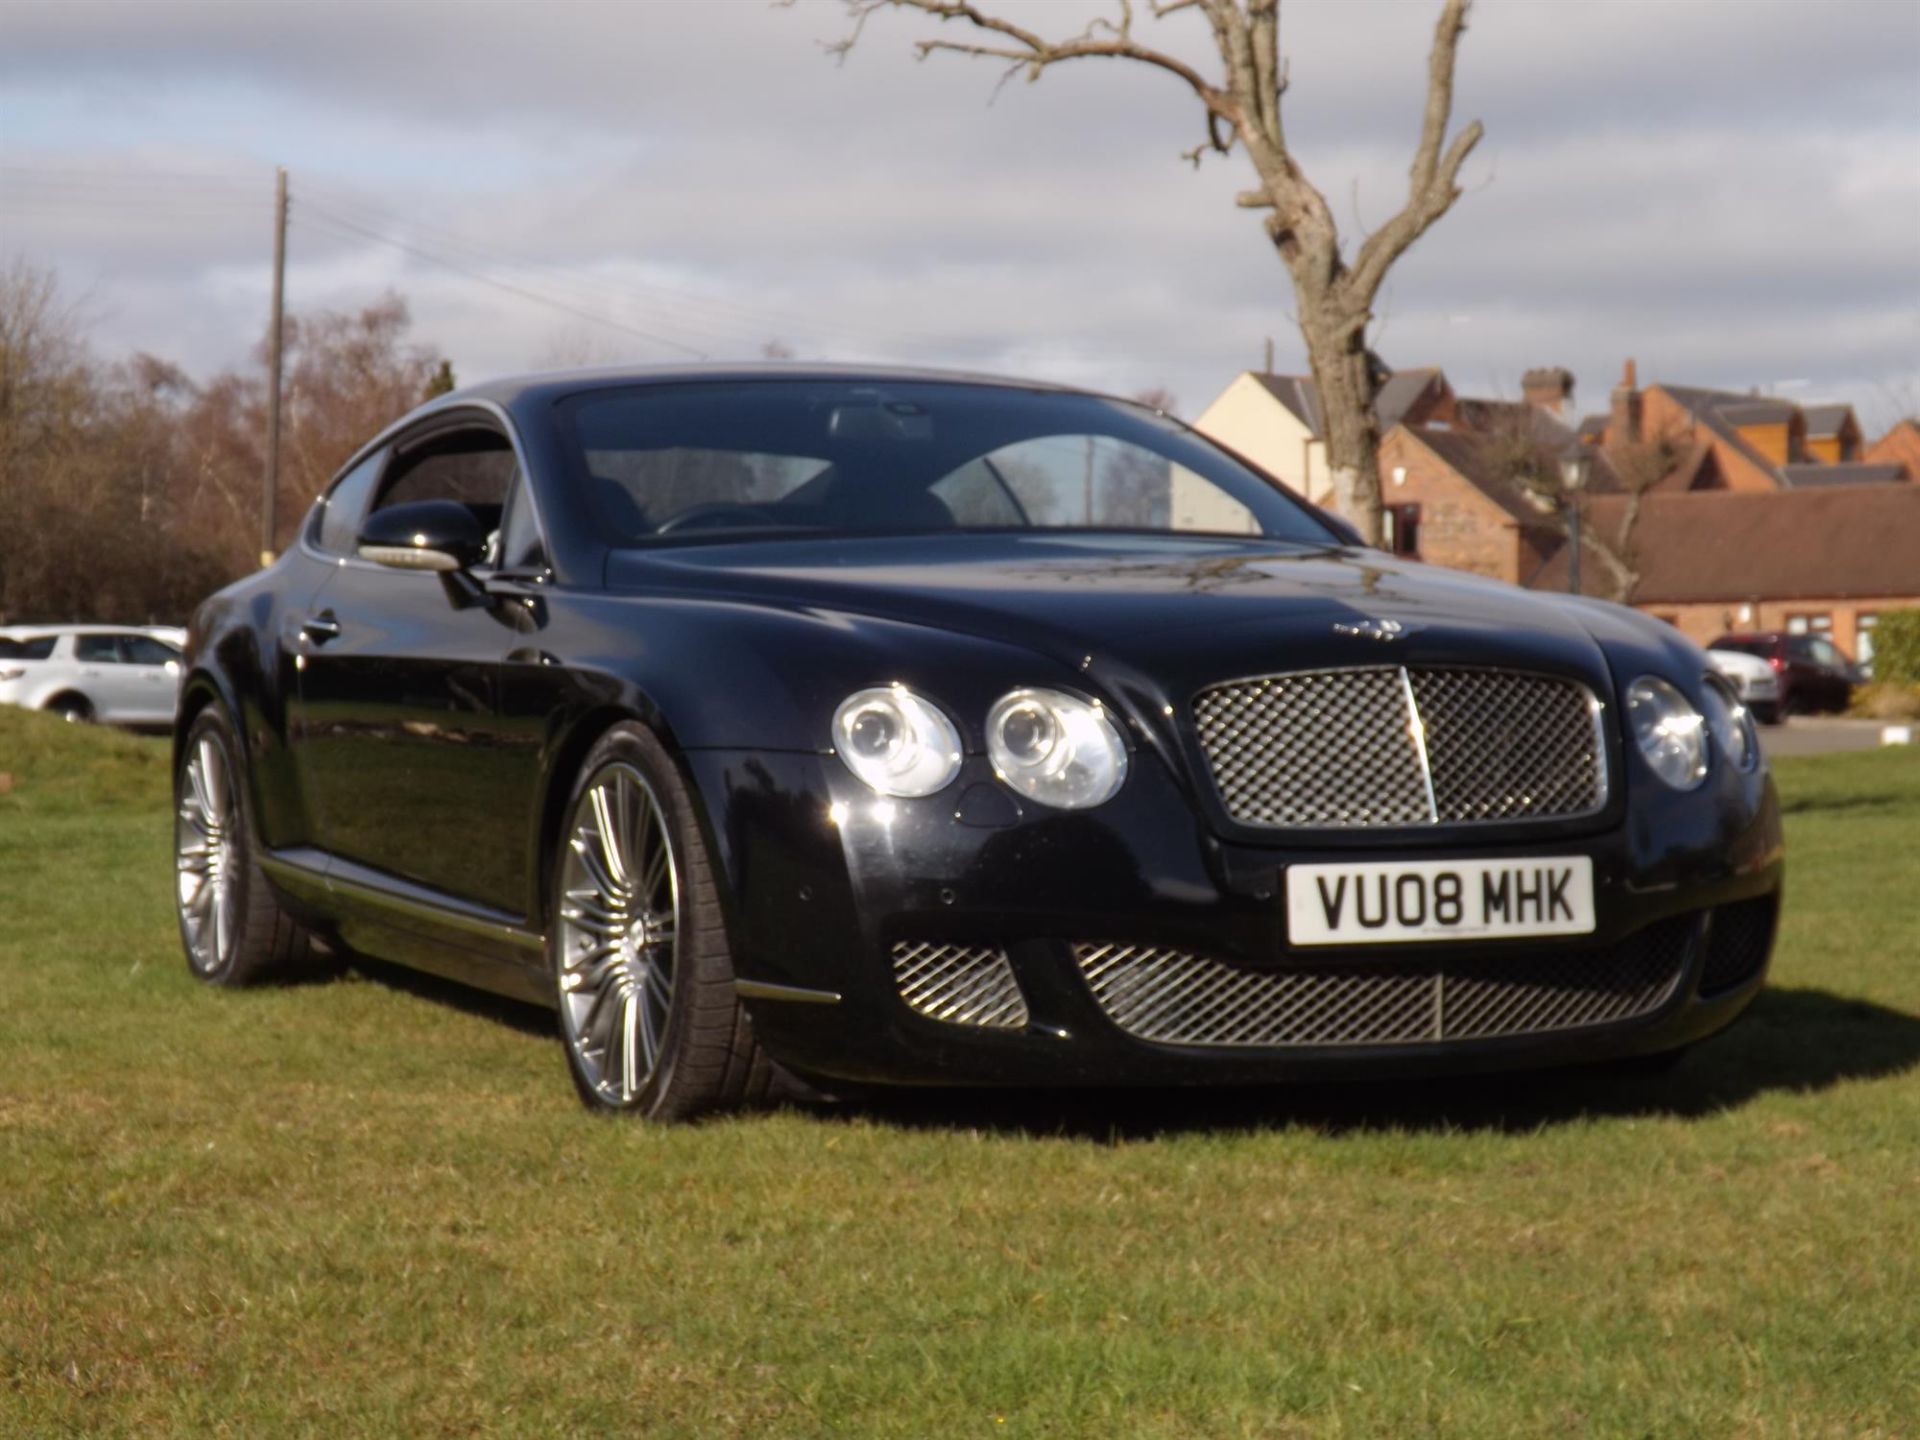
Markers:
(832, 892)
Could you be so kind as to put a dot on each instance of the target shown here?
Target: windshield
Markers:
(778, 456)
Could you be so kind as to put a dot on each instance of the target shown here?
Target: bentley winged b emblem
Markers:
(1381, 630)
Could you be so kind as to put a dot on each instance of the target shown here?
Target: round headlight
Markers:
(897, 742)
(1732, 725)
(1056, 748)
(1670, 732)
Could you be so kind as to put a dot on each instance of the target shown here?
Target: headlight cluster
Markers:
(896, 742)
(1052, 747)
(1672, 735)
(1732, 725)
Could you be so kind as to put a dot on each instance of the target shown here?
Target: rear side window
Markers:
(145, 650)
(340, 511)
(96, 649)
(34, 647)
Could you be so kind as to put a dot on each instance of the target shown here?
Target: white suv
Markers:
(118, 675)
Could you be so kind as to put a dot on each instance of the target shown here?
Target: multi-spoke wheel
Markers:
(231, 923)
(203, 850)
(642, 978)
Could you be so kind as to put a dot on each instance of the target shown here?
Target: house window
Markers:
(1811, 623)
(1403, 529)
(1863, 640)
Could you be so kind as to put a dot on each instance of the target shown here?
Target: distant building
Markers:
(1828, 560)
(1824, 537)
(1734, 441)
(1274, 420)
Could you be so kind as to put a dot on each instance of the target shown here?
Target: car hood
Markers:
(1174, 611)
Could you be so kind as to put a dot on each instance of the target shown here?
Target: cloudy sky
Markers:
(1728, 190)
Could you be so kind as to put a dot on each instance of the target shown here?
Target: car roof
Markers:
(510, 390)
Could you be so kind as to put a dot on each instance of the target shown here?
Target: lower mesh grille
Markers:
(1738, 944)
(1176, 998)
(960, 984)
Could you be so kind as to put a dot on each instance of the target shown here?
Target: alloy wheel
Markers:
(204, 855)
(619, 929)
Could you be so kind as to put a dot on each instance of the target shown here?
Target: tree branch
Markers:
(1035, 53)
(1433, 180)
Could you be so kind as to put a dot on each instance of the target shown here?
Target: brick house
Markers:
(1783, 558)
(1726, 440)
(1446, 504)
(1274, 420)
(1825, 560)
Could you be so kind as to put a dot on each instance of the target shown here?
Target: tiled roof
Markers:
(1473, 458)
(1830, 541)
(1756, 412)
(1826, 419)
(1296, 392)
(1847, 473)
(1390, 406)
(1709, 407)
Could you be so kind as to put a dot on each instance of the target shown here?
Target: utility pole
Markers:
(276, 344)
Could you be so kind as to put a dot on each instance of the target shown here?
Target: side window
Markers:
(978, 497)
(145, 650)
(34, 647)
(521, 547)
(96, 649)
(339, 519)
(472, 467)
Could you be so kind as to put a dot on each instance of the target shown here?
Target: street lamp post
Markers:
(1576, 464)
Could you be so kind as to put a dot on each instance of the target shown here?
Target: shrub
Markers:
(1885, 700)
(1896, 647)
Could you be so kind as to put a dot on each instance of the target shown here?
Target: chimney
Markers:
(1624, 424)
(1551, 389)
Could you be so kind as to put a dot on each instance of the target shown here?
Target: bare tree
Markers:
(1524, 451)
(1333, 291)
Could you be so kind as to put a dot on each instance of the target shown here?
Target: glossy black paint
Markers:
(410, 738)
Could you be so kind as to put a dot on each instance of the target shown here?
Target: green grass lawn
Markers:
(374, 1207)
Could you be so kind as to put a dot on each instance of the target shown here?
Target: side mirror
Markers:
(438, 535)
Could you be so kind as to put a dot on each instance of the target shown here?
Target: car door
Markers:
(157, 667)
(396, 724)
(112, 687)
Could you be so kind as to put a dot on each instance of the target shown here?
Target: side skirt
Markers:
(392, 919)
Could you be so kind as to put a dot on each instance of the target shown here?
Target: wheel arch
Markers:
(53, 701)
(563, 769)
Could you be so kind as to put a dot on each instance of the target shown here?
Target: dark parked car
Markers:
(896, 727)
(1814, 673)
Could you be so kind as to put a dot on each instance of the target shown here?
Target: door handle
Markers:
(318, 629)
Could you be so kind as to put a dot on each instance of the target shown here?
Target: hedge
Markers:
(1896, 646)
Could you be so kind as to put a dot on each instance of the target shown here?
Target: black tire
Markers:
(700, 1053)
(252, 938)
(1766, 714)
(74, 709)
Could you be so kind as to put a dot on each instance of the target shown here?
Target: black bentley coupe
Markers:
(891, 726)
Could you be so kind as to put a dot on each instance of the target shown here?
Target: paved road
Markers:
(1822, 734)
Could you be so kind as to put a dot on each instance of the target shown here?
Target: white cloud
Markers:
(1728, 191)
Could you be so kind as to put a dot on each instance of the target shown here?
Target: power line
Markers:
(338, 225)
(760, 320)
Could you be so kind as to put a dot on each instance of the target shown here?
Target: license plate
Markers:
(1382, 904)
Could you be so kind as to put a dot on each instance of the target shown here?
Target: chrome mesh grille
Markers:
(1392, 746)
(1176, 998)
(960, 984)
